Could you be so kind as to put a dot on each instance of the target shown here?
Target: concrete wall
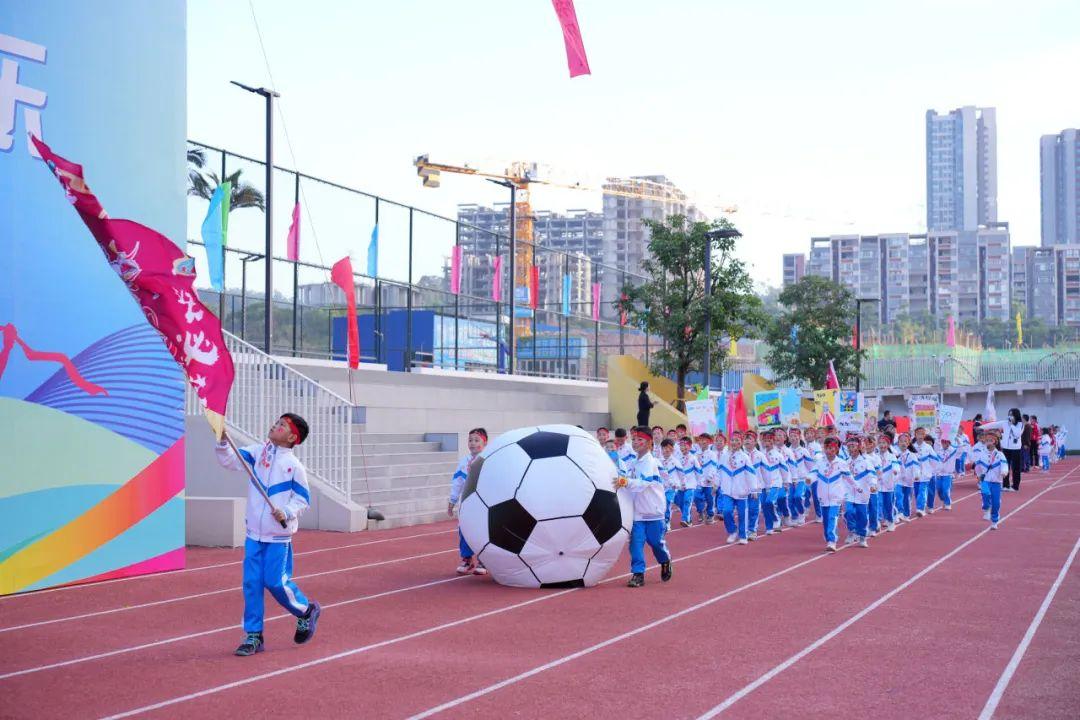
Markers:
(445, 401)
(1054, 403)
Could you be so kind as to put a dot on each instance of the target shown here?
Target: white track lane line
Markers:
(628, 634)
(1021, 649)
(182, 571)
(234, 626)
(209, 593)
(766, 677)
(179, 638)
(410, 636)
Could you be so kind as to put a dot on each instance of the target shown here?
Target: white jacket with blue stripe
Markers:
(284, 479)
(647, 489)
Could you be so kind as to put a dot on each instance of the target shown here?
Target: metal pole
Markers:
(566, 319)
(243, 299)
(409, 302)
(708, 315)
(295, 275)
(376, 303)
(622, 328)
(457, 310)
(858, 342)
(268, 320)
(498, 306)
(513, 278)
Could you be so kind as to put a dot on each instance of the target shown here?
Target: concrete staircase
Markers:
(402, 475)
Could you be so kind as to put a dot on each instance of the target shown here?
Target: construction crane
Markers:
(520, 176)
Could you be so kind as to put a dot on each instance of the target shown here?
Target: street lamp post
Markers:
(268, 320)
(710, 236)
(858, 335)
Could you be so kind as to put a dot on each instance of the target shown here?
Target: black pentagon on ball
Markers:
(509, 525)
(603, 516)
(563, 585)
(544, 444)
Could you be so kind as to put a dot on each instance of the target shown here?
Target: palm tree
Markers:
(200, 184)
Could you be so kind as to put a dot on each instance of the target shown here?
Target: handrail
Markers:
(265, 387)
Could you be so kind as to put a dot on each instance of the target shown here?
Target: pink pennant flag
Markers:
(831, 381)
(496, 279)
(595, 302)
(161, 279)
(342, 275)
(292, 244)
(455, 270)
(575, 46)
(950, 333)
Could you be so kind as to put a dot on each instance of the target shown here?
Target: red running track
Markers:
(942, 618)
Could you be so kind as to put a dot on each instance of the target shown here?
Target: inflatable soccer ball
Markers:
(539, 509)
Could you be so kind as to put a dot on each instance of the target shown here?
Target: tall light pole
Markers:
(710, 236)
(858, 335)
(268, 320)
(513, 277)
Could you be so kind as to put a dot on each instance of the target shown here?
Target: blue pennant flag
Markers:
(566, 294)
(213, 235)
(373, 253)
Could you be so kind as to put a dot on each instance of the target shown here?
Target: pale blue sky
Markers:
(809, 110)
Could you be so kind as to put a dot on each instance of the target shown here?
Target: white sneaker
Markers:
(479, 570)
(993, 526)
(731, 538)
(778, 527)
(849, 539)
(932, 510)
(710, 521)
(768, 532)
(752, 537)
(863, 543)
(743, 541)
(892, 527)
(464, 568)
(830, 547)
(986, 515)
(920, 513)
(818, 519)
(948, 508)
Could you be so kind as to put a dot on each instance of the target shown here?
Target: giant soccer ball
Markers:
(539, 509)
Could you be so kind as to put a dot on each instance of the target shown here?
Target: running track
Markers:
(941, 619)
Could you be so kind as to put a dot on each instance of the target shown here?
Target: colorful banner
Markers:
(767, 409)
(872, 411)
(790, 405)
(949, 417)
(924, 411)
(825, 405)
(213, 234)
(83, 370)
(722, 412)
(702, 416)
(849, 402)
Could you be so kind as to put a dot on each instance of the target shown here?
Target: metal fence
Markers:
(468, 330)
(947, 371)
(263, 386)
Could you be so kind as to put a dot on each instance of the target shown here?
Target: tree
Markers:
(672, 303)
(815, 327)
(201, 184)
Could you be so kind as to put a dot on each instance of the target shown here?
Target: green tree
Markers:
(814, 328)
(672, 303)
(202, 184)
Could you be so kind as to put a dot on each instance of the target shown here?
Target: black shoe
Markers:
(636, 580)
(252, 644)
(665, 571)
(305, 626)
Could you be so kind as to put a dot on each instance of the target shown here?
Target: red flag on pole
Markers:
(455, 269)
(534, 286)
(292, 242)
(831, 382)
(575, 46)
(950, 333)
(342, 276)
(161, 279)
(596, 301)
(741, 421)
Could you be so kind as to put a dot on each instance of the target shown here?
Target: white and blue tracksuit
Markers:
(268, 553)
(649, 506)
(862, 480)
(1045, 448)
(689, 473)
(889, 467)
(735, 483)
(832, 487)
(705, 498)
(947, 462)
(990, 469)
(672, 479)
(753, 500)
(774, 485)
(457, 484)
(873, 507)
(909, 474)
(927, 464)
(810, 461)
(627, 456)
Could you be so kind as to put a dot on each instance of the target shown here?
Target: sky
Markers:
(807, 116)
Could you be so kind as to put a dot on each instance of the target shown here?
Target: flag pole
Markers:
(251, 474)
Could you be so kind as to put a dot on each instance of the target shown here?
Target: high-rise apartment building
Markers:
(961, 169)
(1059, 166)
(794, 268)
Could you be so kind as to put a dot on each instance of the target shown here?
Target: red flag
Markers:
(950, 333)
(575, 46)
(741, 421)
(534, 286)
(342, 276)
(455, 269)
(292, 243)
(831, 383)
(496, 279)
(622, 310)
(160, 277)
(855, 336)
(595, 301)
